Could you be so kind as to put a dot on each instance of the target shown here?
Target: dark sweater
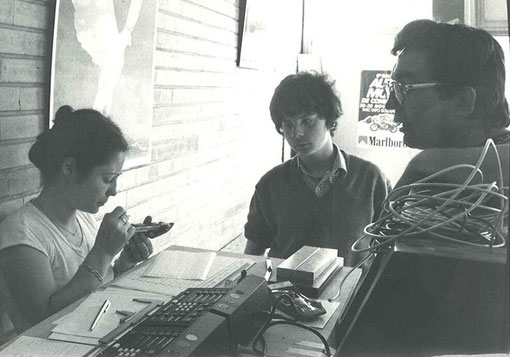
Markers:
(285, 214)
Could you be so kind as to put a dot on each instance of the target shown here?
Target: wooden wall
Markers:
(212, 137)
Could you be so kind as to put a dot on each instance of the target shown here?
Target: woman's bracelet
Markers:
(93, 272)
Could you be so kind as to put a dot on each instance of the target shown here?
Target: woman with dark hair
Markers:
(51, 251)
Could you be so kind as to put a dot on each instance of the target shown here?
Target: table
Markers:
(282, 336)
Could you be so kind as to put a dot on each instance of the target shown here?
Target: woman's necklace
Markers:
(65, 228)
(82, 239)
(62, 228)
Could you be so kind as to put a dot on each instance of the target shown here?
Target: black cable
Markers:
(308, 328)
(360, 263)
(269, 323)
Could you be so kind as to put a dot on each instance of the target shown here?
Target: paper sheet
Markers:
(92, 341)
(181, 265)
(78, 322)
(221, 269)
(26, 346)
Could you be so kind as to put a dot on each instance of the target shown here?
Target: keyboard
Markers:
(160, 328)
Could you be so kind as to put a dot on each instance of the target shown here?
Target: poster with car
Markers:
(376, 127)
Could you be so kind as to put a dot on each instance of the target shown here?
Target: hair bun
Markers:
(63, 114)
(37, 153)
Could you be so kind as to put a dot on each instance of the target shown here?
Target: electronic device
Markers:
(197, 322)
(304, 266)
(153, 230)
(297, 305)
(423, 297)
(310, 269)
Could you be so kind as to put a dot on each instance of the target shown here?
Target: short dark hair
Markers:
(305, 93)
(464, 56)
(85, 135)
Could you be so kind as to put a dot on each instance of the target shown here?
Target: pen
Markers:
(127, 315)
(100, 313)
(237, 276)
(125, 312)
(144, 301)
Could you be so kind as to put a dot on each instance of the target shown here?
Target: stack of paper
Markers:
(75, 326)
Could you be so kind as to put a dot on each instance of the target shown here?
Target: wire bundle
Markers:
(470, 213)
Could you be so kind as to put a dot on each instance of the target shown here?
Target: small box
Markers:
(321, 283)
(305, 265)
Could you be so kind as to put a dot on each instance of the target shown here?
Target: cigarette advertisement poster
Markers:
(376, 127)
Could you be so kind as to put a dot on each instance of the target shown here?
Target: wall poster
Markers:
(103, 59)
(376, 127)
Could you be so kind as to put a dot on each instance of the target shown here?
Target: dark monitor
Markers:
(425, 297)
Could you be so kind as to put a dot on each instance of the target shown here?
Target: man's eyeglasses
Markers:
(400, 90)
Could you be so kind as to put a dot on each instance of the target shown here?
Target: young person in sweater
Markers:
(323, 196)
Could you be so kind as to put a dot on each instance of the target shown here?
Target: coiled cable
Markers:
(461, 213)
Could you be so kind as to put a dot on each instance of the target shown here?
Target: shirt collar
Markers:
(339, 165)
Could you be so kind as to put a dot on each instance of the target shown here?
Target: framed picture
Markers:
(103, 59)
(271, 33)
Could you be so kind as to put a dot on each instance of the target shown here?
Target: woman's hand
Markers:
(138, 249)
(114, 232)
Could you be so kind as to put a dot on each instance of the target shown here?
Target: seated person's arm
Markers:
(256, 229)
(254, 248)
(431, 161)
(30, 278)
(381, 189)
(29, 275)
